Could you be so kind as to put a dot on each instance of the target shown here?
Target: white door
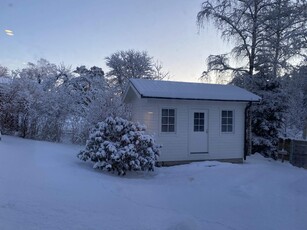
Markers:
(198, 131)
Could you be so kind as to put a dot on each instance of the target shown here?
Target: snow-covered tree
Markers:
(92, 101)
(120, 145)
(295, 86)
(284, 36)
(33, 104)
(266, 36)
(8, 107)
(264, 33)
(239, 22)
(44, 100)
(132, 64)
(4, 71)
(267, 116)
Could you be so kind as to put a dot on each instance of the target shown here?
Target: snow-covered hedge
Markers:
(120, 145)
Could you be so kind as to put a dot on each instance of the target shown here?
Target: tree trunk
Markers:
(277, 42)
(305, 132)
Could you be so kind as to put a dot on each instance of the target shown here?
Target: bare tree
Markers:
(132, 64)
(4, 71)
(240, 22)
(159, 73)
(266, 34)
(285, 36)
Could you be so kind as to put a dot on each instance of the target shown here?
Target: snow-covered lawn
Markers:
(44, 186)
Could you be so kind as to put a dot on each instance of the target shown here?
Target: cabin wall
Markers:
(176, 145)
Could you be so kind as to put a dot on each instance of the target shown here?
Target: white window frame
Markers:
(227, 124)
(199, 127)
(175, 120)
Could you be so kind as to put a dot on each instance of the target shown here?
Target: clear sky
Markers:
(84, 32)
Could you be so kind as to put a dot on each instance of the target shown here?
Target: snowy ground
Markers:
(44, 186)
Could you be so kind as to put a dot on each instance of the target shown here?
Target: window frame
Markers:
(199, 126)
(227, 124)
(168, 118)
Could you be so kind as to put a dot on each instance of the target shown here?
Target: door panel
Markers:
(198, 131)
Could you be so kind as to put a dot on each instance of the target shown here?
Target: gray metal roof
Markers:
(191, 91)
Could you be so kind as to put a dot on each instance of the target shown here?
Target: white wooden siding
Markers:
(175, 145)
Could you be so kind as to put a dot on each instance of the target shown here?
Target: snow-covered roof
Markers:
(191, 91)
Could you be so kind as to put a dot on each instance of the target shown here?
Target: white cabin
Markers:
(192, 121)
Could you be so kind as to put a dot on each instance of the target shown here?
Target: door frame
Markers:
(191, 129)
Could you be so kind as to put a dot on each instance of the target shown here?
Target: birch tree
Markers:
(266, 34)
(285, 39)
(239, 22)
(269, 40)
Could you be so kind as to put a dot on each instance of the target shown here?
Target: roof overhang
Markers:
(197, 99)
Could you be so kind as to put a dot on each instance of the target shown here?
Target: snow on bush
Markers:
(120, 145)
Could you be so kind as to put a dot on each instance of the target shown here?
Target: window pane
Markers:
(227, 121)
(201, 122)
(164, 128)
(196, 121)
(165, 112)
(224, 113)
(168, 120)
(164, 120)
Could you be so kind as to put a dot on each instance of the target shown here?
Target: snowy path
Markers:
(44, 186)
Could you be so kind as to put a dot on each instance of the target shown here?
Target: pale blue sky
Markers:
(76, 32)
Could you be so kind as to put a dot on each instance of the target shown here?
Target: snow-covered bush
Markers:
(120, 145)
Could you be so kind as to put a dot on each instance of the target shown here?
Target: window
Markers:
(168, 120)
(227, 121)
(199, 122)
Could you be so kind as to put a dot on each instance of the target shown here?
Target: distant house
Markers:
(192, 121)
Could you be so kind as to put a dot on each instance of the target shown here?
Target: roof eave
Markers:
(197, 99)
